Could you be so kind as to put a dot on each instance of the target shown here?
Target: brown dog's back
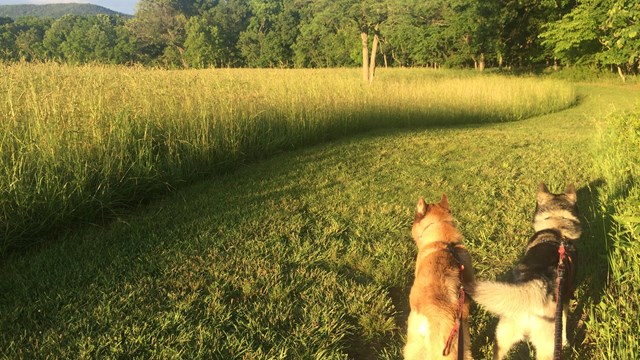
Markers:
(434, 297)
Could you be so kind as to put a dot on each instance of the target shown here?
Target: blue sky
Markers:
(123, 6)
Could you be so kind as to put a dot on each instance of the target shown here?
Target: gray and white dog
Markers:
(526, 305)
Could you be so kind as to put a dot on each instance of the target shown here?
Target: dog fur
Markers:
(434, 297)
(526, 306)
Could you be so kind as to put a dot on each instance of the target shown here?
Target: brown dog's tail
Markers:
(505, 299)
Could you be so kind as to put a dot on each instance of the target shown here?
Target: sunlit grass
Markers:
(80, 143)
(308, 254)
(614, 319)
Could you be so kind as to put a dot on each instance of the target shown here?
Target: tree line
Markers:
(330, 33)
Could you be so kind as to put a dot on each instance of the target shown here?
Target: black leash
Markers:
(458, 327)
(461, 331)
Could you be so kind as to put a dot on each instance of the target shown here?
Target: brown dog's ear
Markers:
(421, 208)
(543, 193)
(444, 202)
(570, 192)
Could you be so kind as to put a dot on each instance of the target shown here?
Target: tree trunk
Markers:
(624, 79)
(374, 50)
(185, 64)
(395, 58)
(365, 55)
(481, 62)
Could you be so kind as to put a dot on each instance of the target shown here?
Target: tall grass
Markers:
(614, 322)
(79, 143)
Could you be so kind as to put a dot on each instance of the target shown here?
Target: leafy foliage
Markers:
(328, 33)
(598, 32)
(574, 38)
(621, 38)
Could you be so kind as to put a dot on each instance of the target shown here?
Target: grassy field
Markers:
(307, 253)
(79, 144)
(614, 320)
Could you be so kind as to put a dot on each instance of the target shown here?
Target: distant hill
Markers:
(55, 10)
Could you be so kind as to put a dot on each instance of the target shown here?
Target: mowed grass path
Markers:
(307, 254)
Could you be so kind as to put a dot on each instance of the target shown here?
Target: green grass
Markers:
(307, 254)
(614, 320)
(78, 144)
(590, 74)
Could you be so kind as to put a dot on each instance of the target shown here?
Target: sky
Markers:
(123, 6)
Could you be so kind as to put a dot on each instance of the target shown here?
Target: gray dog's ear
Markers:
(543, 193)
(543, 188)
(570, 192)
(421, 208)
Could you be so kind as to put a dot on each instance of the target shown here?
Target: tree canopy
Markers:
(329, 33)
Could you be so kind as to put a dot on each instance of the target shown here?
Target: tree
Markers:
(435, 33)
(574, 39)
(521, 22)
(326, 38)
(331, 33)
(460, 32)
(202, 44)
(124, 51)
(29, 45)
(231, 17)
(604, 32)
(270, 34)
(491, 36)
(368, 15)
(621, 38)
(57, 34)
(6, 39)
(405, 32)
(101, 38)
(90, 39)
(159, 27)
(25, 36)
(329, 19)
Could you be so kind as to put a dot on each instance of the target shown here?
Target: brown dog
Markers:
(435, 296)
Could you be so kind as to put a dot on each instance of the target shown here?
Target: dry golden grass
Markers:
(79, 143)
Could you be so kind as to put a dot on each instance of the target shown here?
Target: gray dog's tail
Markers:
(505, 299)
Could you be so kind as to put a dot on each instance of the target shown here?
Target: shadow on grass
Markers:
(125, 194)
(142, 259)
(358, 346)
(592, 262)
